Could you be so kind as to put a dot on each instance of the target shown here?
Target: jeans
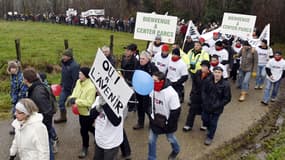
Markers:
(152, 144)
(51, 131)
(51, 154)
(86, 124)
(105, 154)
(211, 122)
(243, 80)
(260, 75)
(62, 98)
(267, 90)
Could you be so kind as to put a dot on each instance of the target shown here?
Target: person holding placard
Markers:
(155, 46)
(264, 54)
(109, 130)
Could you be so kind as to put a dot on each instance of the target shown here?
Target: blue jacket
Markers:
(69, 75)
(18, 88)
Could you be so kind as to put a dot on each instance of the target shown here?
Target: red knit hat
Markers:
(165, 48)
(201, 40)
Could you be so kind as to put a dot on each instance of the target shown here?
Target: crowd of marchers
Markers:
(210, 65)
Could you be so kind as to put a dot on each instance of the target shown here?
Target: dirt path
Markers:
(235, 120)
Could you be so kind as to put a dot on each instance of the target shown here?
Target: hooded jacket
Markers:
(31, 140)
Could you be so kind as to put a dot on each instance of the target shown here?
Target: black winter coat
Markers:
(40, 95)
(128, 64)
(215, 95)
(69, 75)
(197, 83)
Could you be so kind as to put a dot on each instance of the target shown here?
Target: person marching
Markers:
(146, 65)
(275, 70)
(264, 54)
(196, 56)
(216, 93)
(248, 66)
(164, 115)
(177, 73)
(69, 76)
(83, 97)
(161, 60)
(38, 92)
(31, 141)
(195, 95)
(108, 132)
(155, 46)
(18, 89)
(236, 60)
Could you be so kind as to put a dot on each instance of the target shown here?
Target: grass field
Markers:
(43, 43)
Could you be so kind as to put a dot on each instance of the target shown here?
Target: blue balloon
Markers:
(142, 82)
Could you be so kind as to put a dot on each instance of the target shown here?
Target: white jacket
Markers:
(31, 139)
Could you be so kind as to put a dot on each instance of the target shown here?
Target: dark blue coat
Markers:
(69, 75)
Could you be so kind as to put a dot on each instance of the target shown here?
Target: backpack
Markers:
(52, 99)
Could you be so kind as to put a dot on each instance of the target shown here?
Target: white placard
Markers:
(149, 25)
(238, 24)
(192, 31)
(110, 84)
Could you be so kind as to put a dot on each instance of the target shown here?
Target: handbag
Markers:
(159, 119)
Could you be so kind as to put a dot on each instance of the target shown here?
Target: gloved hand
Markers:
(71, 101)
(100, 102)
(12, 157)
(253, 74)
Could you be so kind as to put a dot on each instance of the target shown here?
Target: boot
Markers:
(242, 96)
(83, 153)
(62, 117)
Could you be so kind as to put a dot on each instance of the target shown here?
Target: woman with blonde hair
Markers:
(31, 140)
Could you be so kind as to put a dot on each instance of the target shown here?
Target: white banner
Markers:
(71, 12)
(110, 84)
(265, 34)
(149, 25)
(192, 31)
(238, 24)
(93, 12)
(209, 35)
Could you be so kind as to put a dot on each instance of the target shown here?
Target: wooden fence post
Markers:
(66, 44)
(18, 49)
(111, 43)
